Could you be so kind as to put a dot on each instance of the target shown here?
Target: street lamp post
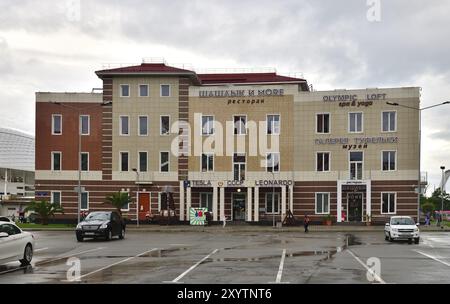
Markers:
(419, 184)
(137, 196)
(442, 195)
(78, 110)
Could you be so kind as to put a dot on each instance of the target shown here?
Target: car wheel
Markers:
(386, 238)
(79, 238)
(416, 240)
(409, 241)
(122, 234)
(27, 255)
(108, 235)
(390, 238)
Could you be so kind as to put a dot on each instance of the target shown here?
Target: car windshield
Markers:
(98, 216)
(402, 221)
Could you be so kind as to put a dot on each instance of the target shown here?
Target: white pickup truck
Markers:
(401, 228)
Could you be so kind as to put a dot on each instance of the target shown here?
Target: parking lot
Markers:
(234, 257)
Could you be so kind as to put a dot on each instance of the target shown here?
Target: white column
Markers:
(291, 198)
(249, 204)
(188, 202)
(256, 218)
(339, 201)
(222, 203)
(283, 202)
(181, 201)
(369, 197)
(215, 192)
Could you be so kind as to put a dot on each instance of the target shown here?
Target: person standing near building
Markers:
(306, 223)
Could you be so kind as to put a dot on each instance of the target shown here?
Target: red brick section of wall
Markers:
(67, 142)
(106, 128)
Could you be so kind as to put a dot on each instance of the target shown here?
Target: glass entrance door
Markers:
(355, 207)
(239, 207)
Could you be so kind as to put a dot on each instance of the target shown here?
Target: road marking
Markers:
(377, 277)
(433, 257)
(117, 263)
(191, 268)
(280, 269)
(40, 249)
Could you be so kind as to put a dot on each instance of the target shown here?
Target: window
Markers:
(56, 161)
(206, 201)
(273, 124)
(56, 124)
(239, 166)
(273, 162)
(165, 125)
(356, 165)
(143, 90)
(355, 123)
(9, 229)
(124, 161)
(165, 90)
(323, 123)
(389, 160)
(207, 162)
(272, 203)
(388, 202)
(124, 125)
(164, 161)
(125, 207)
(207, 125)
(84, 124)
(142, 161)
(162, 201)
(322, 203)
(143, 125)
(240, 124)
(84, 159)
(124, 90)
(84, 201)
(323, 161)
(56, 198)
(389, 121)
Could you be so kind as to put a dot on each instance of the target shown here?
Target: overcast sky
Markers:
(57, 45)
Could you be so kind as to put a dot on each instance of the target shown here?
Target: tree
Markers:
(45, 210)
(119, 200)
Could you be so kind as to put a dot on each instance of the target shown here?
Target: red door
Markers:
(144, 206)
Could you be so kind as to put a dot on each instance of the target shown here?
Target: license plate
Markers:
(89, 233)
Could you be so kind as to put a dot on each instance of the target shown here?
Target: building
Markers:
(249, 146)
(16, 171)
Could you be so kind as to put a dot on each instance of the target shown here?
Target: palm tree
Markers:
(119, 200)
(45, 209)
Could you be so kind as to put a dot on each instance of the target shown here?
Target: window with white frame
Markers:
(143, 90)
(323, 161)
(143, 125)
(239, 161)
(389, 160)
(84, 124)
(56, 124)
(389, 121)
(206, 201)
(84, 201)
(124, 125)
(355, 122)
(125, 207)
(273, 162)
(124, 161)
(323, 123)
(164, 125)
(124, 90)
(56, 198)
(322, 203)
(56, 161)
(164, 161)
(84, 159)
(356, 165)
(207, 125)
(272, 203)
(143, 161)
(388, 202)
(273, 124)
(240, 124)
(207, 162)
(165, 90)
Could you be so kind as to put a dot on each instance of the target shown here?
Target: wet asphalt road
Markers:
(189, 257)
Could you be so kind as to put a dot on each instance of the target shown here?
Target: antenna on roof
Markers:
(154, 60)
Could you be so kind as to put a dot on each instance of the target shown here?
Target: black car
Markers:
(104, 224)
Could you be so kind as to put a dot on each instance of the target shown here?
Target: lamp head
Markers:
(442, 167)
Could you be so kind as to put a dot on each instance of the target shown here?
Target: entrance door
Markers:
(144, 205)
(355, 207)
(239, 207)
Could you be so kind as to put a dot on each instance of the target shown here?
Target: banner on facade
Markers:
(197, 216)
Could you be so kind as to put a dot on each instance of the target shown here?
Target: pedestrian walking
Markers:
(306, 222)
(427, 219)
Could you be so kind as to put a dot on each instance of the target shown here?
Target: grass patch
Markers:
(444, 223)
(39, 226)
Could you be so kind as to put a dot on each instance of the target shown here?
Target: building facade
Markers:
(250, 147)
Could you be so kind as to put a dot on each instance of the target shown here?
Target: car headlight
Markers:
(104, 225)
(79, 226)
(416, 229)
(394, 230)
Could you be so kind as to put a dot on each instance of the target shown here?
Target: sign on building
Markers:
(197, 216)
